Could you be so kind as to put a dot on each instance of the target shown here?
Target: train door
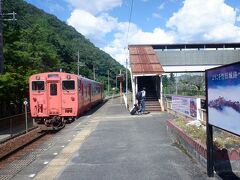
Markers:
(90, 92)
(102, 96)
(54, 98)
(80, 94)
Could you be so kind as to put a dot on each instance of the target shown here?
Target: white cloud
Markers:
(196, 21)
(161, 6)
(156, 37)
(93, 27)
(157, 15)
(95, 6)
(118, 47)
(238, 18)
(211, 20)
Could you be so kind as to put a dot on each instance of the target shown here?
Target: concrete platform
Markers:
(109, 144)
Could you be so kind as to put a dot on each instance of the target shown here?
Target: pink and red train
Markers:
(57, 97)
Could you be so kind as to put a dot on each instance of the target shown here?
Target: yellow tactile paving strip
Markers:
(57, 165)
(53, 169)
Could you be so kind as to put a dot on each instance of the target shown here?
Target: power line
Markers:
(13, 14)
(24, 21)
(129, 22)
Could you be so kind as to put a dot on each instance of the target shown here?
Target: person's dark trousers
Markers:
(143, 105)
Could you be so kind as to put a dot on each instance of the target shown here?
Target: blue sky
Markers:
(105, 22)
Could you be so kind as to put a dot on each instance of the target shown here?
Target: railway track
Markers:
(15, 148)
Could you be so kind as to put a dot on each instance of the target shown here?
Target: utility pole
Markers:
(108, 81)
(176, 81)
(120, 83)
(13, 14)
(94, 77)
(1, 38)
(78, 62)
(126, 76)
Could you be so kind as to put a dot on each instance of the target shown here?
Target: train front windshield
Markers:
(68, 85)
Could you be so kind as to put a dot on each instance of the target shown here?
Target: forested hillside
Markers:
(39, 42)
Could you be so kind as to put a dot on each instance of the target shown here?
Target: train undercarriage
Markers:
(52, 123)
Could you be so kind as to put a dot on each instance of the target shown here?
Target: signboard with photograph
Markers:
(186, 105)
(223, 97)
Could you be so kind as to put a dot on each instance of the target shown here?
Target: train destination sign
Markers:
(223, 94)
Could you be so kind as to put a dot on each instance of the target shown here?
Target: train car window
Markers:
(93, 90)
(97, 90)
(53, 89)
(38, 85)
(68, 85)
(89, 90)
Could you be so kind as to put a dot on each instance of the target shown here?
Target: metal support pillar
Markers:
(161, 93)
(136, 84)
(133, 87)
(1, 39)
(210, 164)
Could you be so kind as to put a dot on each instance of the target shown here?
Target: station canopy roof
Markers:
(144, 61)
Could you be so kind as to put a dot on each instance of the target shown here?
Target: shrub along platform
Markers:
(225, 160)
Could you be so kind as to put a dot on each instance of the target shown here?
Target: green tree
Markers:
(39, 42)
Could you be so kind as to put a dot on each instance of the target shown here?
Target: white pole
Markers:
(26, 119)
(161, 93)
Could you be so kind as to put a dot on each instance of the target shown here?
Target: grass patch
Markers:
(197, 133)
(226, 140)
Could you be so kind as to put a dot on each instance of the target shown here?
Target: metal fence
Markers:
(14, 125)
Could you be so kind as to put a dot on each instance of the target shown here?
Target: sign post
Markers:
(120, 79)
(223, 105)
(26, 119)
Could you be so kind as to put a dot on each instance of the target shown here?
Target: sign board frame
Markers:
(221, 81)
